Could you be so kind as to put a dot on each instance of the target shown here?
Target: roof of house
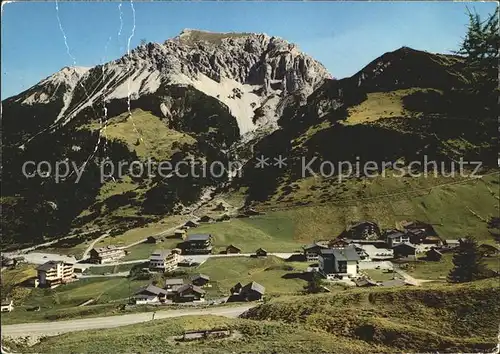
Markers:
(487, 247)
(152, 289)
(233, 246)
(195, 288)
(48, 265)
(200, 276)
(6, 302)
(314, 245)
(396, 234)
(433, 250)
(159, 255)
(255, 287)
(107, 248)
(404, 244)
(191, 222)
(198, 237)
(261, 250)
(176, 281)
(342, 254)
(361, 223)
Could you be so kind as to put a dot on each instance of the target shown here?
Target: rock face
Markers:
(252, 74)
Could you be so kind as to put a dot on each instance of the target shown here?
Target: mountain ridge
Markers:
(235, 99)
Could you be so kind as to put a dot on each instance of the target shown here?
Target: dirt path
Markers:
(92, 244)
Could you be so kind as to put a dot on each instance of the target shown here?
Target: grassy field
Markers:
(137, 234)
(439, 270)
(273, 232)
(144, 250)
(145, 134)
(444, 318)
(111, 269)
(454, 210)
(277, 275)
(63, 300)
(160, 336)
(379, 105)
(380, 275)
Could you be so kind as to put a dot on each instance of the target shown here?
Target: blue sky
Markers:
(344, 36)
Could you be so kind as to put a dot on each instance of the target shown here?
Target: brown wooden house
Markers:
(233, 249)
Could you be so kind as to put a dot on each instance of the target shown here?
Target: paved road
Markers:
(120, 274)
(408, 278)
(375, 264)
(41, 258)
(199, 258)
(58, 327)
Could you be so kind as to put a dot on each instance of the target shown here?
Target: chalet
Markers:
(220, 207)
(236, 289)
(251, 212)
(180, 234)
(394, 237)
(188, 293)
(54, 273)
(417, 236)
(198, 243)
(488, 250)
(233, 249)
(338, 243)
(338, 262)
(7, 262)
(432, 241)
(171, 285)
(18, 260)
(261, 252)
(206, 218)
(163, 260)
(191, 223)
(153, 239)
(362, 230)
(405, 250)
(224, 217)
(433, 255)
(451, 243)
(200, 279)
(7, 305)
(150, 294)
(107, 254)
(363, 255)
(426, 228)
(252, 291)
(312, 251)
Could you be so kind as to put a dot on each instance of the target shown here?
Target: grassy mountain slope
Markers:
(439, 318)
(405, 106)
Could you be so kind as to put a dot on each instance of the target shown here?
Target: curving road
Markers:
(58, 327)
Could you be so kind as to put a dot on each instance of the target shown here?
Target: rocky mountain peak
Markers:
(252, 74)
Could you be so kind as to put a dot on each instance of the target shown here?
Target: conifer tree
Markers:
(480, 48)
(468, 262)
